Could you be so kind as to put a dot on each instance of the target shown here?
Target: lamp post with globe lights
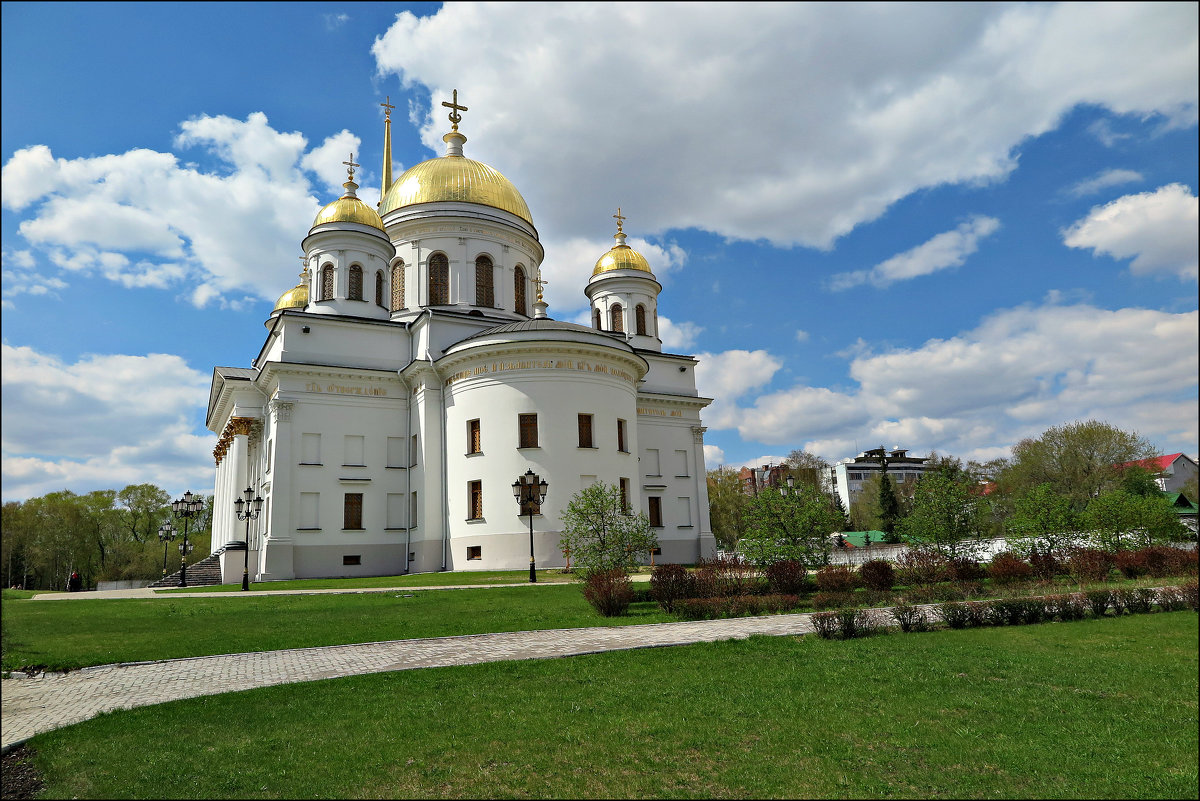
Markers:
(166, 533)
(530, 492)
(187, 507)
(248, 509)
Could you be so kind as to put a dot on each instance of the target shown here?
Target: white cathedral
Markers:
(413, 375)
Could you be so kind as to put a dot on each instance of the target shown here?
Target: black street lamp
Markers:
(530, 491)
(187, 507)
(252, 505)
(166, 533)
(791, 485)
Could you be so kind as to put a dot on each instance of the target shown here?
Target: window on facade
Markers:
(519, 290)
(354, 451)
(356, 282)
(352, 559)
(327, 282)
(684, 513)
(395, 451)
(352, 511)
(474, 500)
(484, 292)
(624, 485)
(527, 430)
(639, 319)
(596, 319)
(412, 512)
(379, 287)
(310, 507)
(412, 451)
(681, 464)
(439, 280)
(655, 510)
(621, 437)
(585, 431)
(395, 510)
(474, 552)
(310, 449)
(474, 444)
(398, 286)
(651, 462)
(618, 319)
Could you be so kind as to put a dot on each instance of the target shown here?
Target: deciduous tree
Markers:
(946, 516)
(726, 506)
(795, 524)
(601, 535)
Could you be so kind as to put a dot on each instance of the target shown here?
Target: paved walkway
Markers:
(53, 700)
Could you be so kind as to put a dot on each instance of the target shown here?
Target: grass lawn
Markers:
(1094, 709)
(61, 635)
(448, 579)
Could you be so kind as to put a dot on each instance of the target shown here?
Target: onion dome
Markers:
(297, 296)
(348, 208)
(621, 257)
(455, 178)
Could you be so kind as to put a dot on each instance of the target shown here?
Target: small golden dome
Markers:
(294, 298)
(348, 209)
(621, 256)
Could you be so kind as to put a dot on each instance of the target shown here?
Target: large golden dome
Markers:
(458, 179)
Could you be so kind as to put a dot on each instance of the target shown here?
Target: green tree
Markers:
(796, 524)
(946, 516)
(1042, 518)
(1191, 489)
(1118, 519)
(1137, 480)
(808, 469)
(889, 508)
(601, 535)
(147, 507)
(726, 506)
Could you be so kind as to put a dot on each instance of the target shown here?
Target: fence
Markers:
(133, 584)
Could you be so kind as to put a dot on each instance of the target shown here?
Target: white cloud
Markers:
(1019, 372)
(730, 375)
(102, 422)
(569, 264)
(327, 161)
(1158, 230)
(889, 99)
(946, 250)
(802, 335)
(1104, 180)
(677, 337)
(713, 457)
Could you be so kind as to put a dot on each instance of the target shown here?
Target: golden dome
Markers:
(621, 257)
(294, 298)
(348, 209)
(458, 179)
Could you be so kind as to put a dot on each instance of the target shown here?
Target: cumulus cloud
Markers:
(570, 261)
(144, 218)
(946, 250)
(1158, 230)
(677, 336)
(713, 456)
(1104, 180)
(889, 99)
(1019, 372)
(101, 422)
(728, 376)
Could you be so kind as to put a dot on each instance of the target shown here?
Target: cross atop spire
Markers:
(619, 218)
(455, 117)
(387, 108)
(351, 165)
(538, 281)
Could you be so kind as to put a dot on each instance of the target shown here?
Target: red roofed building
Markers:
(1171, 471)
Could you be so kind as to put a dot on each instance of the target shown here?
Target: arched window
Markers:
(379, 287)
(327, 282)
(398, 286)
(618, 319)
(519, 290)
(484, 293)
(596, 319)
(639, 319)
(356, 283)
(439, 280)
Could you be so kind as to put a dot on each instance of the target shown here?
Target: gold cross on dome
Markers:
(539, 282)
(619, 219)
(387, 107)
(455, 117)
(351, 165)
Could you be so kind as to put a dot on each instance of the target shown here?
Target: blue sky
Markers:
(933, 226)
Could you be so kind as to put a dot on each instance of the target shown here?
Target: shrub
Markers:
(1033, 610)
(920, 567)
(832, 600)
(1065, 607)
(1146, 597)
(1131, 563)
(954, 614)
(1187, 562)
(977, 612)
(779, 602)
(924, 595)
(1099, 601)
(1005, 611)
(877, 598)
(670, 584)
(826, 624)
(856, 623)
(723, 577)
(788, 577)
(1162, 561)
(609, 591)
(1089, 564)
(1008, 568)
(1044, 563)
(1134, 600)
(910, 618)
(1171, 599)
(965, 569)
(878, 574)
(1191, 595)
(969, 589)
(836, 578)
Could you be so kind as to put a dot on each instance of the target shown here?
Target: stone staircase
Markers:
(204, 573)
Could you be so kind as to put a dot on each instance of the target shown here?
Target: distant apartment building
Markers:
(848, 476)
(757, 478)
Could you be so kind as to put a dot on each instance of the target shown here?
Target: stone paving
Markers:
(48, 701)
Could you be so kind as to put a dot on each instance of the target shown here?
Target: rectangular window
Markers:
(412, 452)
(625, 495)
(585, 431)
(354, 451)
(587, 481)
(474, 443)
(270, 450)
(395, 510)
(651, 462)
(684, 505)
(309, 508)
(681, 464)
(474, 500)
(855, 476)
(655, 513)
(310, 449)
(355, 559)
(412, 511)
(621, 437)
(528, 430)
(352, 512)
(474, 552)
(395, 451)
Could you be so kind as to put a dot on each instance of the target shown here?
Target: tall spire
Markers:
(387, 148)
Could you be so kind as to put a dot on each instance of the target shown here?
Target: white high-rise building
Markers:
(413, 375)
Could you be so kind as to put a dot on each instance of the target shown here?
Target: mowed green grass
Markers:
(69, 634)
(1094, 709)
(415, 580)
